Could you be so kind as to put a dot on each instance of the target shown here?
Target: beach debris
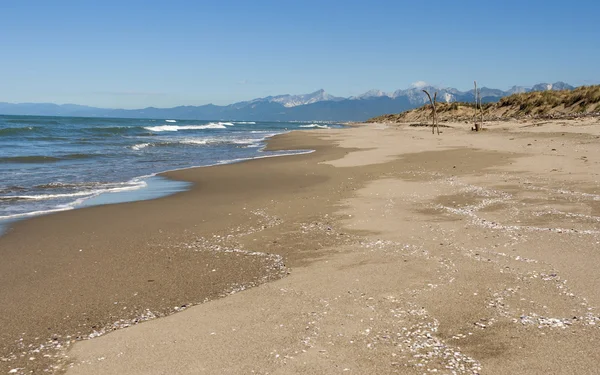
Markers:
(423, 349)
(491, 197)
(544, 322)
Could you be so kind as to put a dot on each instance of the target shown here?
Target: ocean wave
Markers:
(140, 146)
(111, 129)
(250, 142)
(204, 141)
(21, 130)
(12, 189)
(66, 185)
(80, 197)
(52, 138)
(38, 120)
(170, 121)
(33, 159)
(42, 197)
(110, 188)
(212, 141)
(174, 128)
(315, 126)
(284, 153)
(246, 141)
(246, 122)
(35, 213)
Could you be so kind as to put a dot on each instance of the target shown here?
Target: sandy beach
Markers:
(386, 250)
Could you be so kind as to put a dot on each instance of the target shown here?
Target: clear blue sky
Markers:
(132, 54)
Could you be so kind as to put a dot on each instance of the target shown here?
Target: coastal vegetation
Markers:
(581, 101)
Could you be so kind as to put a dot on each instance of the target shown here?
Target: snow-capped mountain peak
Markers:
(414, 95)
(296, 100)
(290, 107)
(516, 90)
(370, 94)
(552, 86)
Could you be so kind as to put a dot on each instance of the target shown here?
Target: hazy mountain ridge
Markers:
(317, 105)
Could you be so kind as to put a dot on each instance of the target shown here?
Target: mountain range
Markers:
(315, 106)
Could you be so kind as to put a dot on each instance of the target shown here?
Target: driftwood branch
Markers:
(434, 112)
(477, 94)
(480, 108)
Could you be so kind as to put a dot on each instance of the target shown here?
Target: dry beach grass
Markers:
(583, 101)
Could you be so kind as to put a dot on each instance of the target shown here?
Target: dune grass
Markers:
(580, 101)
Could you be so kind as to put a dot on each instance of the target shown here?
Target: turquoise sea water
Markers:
(51, 164)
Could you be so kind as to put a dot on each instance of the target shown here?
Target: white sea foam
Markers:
(231, 161)
(250, 142)
(208, 141)
(131, 185)
(195, 141)
(140, 146)
(315, 126)
(174, 128)
(170, 121)
(41, 197)
(134, 184)
(35, 213)
(246, 122)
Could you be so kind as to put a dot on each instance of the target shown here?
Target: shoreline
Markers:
(111, 197)
(80, 238)
(60, 180)
(403, 252)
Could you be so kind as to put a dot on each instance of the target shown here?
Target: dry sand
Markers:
(404, 252)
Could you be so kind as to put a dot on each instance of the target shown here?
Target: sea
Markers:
(50, 164)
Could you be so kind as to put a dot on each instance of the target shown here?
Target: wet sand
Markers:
(404, 253)
(77, 274)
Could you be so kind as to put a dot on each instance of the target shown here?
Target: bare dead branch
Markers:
(434, 112)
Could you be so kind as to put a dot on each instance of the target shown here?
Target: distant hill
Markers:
(584, 100)
(318, 105)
